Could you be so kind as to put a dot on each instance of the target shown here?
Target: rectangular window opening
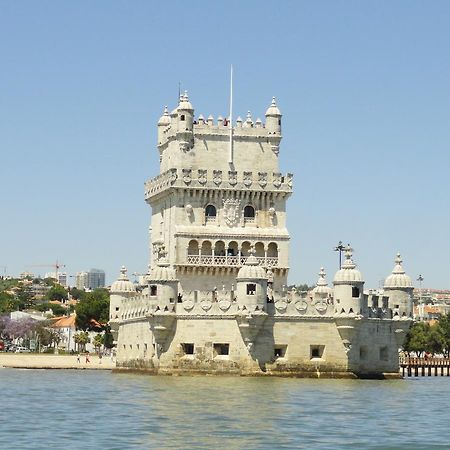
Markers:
(221, 349)
(355, 292)
(188, 349)
(280, 351)
(316, 351)
(251, 289)
(153, 290)
(384, 353)
(363, 352)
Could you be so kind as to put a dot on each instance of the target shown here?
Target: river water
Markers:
(65, 409)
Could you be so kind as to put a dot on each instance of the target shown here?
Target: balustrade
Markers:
(239, 260)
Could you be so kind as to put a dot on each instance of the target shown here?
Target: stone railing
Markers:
(207, 179)
(213, 260)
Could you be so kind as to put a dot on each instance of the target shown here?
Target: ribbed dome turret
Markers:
(348, 273)
(162, 272)
(322, 285)
(165, 118)
(185, 104)
(273, 110)
(398, 277)
(122, 284)
(251, 270)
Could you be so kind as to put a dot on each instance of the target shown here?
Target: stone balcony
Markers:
(229, 261)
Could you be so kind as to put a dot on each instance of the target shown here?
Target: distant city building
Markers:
(26, 274)
(95, 279)
(60, 277)
(81, 280)
(38, 290)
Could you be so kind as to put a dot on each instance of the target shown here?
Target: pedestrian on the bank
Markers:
(99, 358)
(87, 358)
(78, 358)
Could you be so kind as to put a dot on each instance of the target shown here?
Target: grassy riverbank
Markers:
(46, 361)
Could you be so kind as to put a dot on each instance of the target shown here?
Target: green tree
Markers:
(57, 292)
(435, 340)
(24, 298)
(444, 327)
(57, 309)
(98, 342)
(77, 294)
(417, 338)
(93, 306)
(81, 339)
(7, 303)
(108, 339)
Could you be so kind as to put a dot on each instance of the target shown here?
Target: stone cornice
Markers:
(223, 233)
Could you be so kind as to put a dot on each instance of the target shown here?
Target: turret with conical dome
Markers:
(163, 283)
(399, 287)
(121, 289)
(251, 284)
(348, 287)
(163, 123)
(185, 123)
(273, 126)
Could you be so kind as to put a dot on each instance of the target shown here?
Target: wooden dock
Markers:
(425, 367)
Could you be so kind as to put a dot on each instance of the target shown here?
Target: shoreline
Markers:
(48, 361)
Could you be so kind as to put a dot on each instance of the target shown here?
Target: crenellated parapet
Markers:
(218, 179)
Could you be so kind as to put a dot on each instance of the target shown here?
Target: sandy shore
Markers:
(46, 361)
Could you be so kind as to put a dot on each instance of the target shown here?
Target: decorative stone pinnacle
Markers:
(321, 281)
(123, 274)
(274, 103)
(348, 263)
(398, 259)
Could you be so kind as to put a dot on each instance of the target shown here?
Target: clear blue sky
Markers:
(364, 88)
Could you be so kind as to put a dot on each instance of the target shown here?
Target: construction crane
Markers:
(56, 266)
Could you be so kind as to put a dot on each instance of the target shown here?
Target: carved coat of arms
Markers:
(277, 179)
(231, 211)
(187, 175)
(202, 176)
(262, 178)
(232, 177)
(247, 178)
(217, 176)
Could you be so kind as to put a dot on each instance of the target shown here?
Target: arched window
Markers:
(182, 117)
(249, 212)
(210, 211)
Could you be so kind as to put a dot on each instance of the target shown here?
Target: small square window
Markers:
(384, 353)
(316, 351)
(251, 289)
(355, 292)
(188, 349)
(117, 308)
(280, 351)
(221, 349)
(363, 352)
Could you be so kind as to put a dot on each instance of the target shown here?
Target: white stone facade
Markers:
(216, 300)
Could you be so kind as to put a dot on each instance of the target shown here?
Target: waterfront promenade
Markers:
(46, 361)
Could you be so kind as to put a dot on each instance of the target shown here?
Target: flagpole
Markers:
(230, 157)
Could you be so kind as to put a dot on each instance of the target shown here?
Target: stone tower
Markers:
(218, 195)
(399, 287)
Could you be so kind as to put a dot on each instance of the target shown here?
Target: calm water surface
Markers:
(63, 409)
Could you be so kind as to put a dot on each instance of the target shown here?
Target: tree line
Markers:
(425, 338)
